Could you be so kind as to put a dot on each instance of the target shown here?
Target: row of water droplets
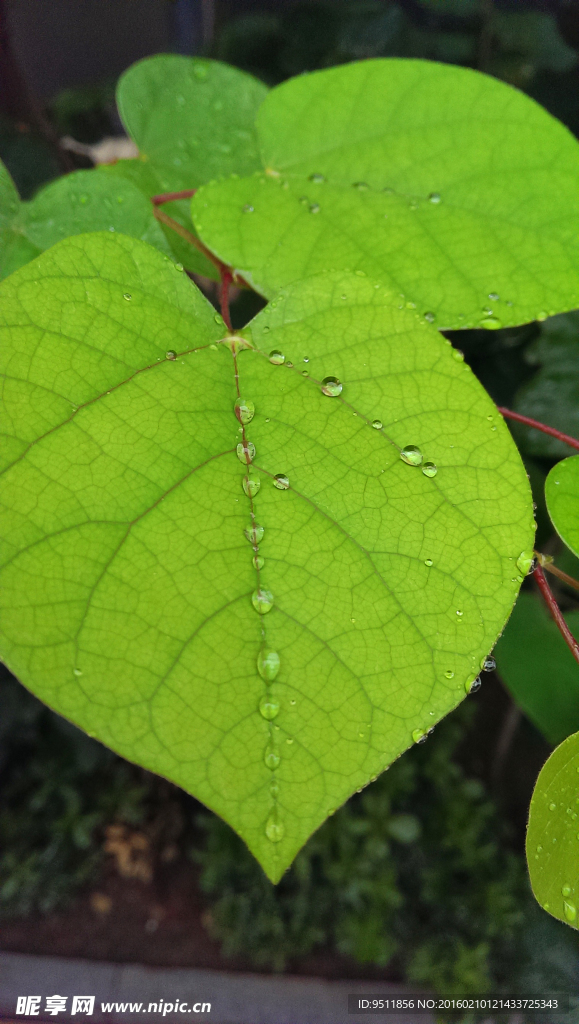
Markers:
(332, 387)
(489, 319)
(268, 660)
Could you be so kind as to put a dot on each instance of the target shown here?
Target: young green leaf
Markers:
(193, 119)
(265, 596)
(539, 669)
(90, 201)
(15, 249)
(453, 188)
(553, 833)
(562, 496)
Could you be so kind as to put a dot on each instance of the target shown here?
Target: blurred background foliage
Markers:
(422, 873)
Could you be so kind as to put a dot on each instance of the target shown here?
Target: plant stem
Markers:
(226, 279)
(168, 197)
(566, 438)
(189, 237)
(556, 611)
(546, 562)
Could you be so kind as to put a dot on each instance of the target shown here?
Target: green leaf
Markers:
(15, 249)
(129, 587)
(539, 669)
(562, 496)
(553, 833)
(453, 188)
(193, 119)
(552, 395)
(90, 201)
(141, 174)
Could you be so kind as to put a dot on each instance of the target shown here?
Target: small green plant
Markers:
(264, 562)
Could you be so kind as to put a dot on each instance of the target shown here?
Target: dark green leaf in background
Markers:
(456, 190)
(552, 396)
(538, 668)
(562, 494)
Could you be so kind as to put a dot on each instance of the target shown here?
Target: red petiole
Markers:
(566, 438)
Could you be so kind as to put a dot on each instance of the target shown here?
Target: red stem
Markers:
(168, 197)
(226, 279)
(509, 414)
(556, 612)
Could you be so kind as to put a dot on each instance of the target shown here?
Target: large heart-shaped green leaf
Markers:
(452, 187)
(135, 598)
(553, 834)
(15, 249)
(539, 669)
(562, 496)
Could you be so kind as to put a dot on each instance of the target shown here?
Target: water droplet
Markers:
(218, 319)
(268, 708)
(488, 664)
(289, 742)
(449, 674)
(458, 355)
(317, 178)
(431, 317)
(200, 71)
(77, 671)
(314, 207)
(362, 186)
(245, 452)
(377, 424)
(171, 354)
(268, 663)
(541, 316)
(254, 533)
(251, 485)
(127, 296)
(428, 562)
(434, 197)
(281, 481)
(272, 760)
(552, 807)
(331, 387)
(277, 358)
(419, 735)
(179, 267)
(289, 364)
(244, 410)
(83, 199)
(526, 562)
(494, 297)
(490, 323)
(274, 831)
(258, 562)
(247, 208)
(411, 455)
(539, 849)
(472, 687)
(566, 890)
(262, 600)
(429, 469)
(570, 911)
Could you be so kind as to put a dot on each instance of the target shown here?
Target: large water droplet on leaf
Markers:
(251, 485)
(274, 831)
(429, 469)
(281, 481)
(268, 663)
(411, 455)
(277, 358)
(245, 452)
(254, 533)
(331, 387)
(268, 708)
(244, 410)
(262, 600)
